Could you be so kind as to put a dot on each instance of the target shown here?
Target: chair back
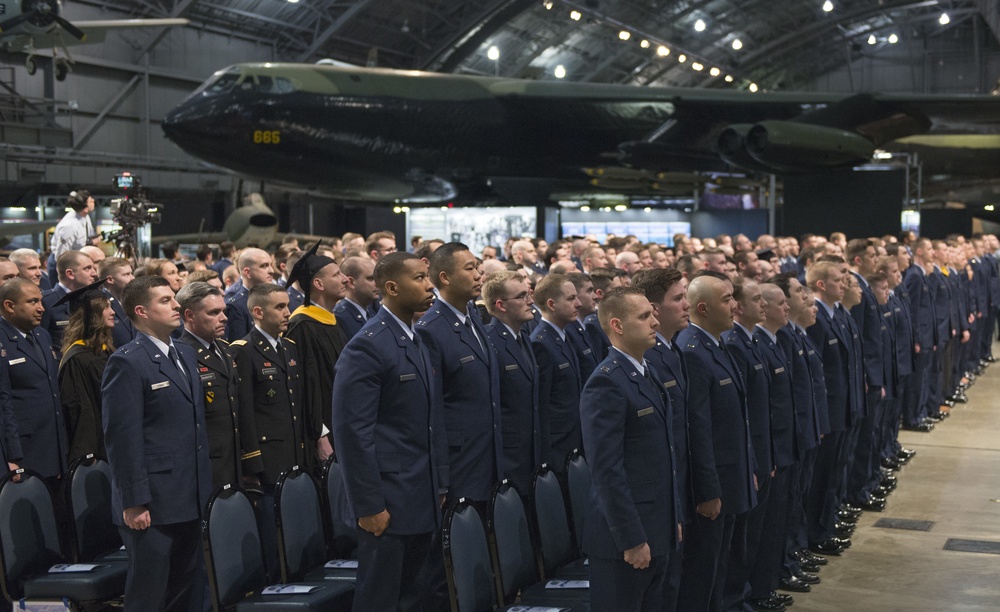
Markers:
(93, 534)
(578, 484)
(344, 537)
(551, 525)
(29, 533)
(301, 542)
(514, 560)
(232, 544)
(467, 560)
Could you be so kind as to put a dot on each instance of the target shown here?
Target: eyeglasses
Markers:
(520, 296)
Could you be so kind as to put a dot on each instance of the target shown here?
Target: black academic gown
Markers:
(80, 373)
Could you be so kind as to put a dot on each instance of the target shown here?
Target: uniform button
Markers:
(295, 418)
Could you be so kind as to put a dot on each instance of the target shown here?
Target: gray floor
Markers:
(954, 481)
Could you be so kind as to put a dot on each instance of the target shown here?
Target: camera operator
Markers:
(75, 230)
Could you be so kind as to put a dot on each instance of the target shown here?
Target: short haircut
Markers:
(260, 294)
(655, 282)
(820, 271)
(810, 254)
(742, 257)
(155, 266)
(603, 277)
(283, 253)
(14, 289)
(202, 276)
(443, 260)
(110, 265)
(169, 249)
(226, 248)
(372, 241)
(77, 200)
(713, 274)
(615, 305)
(878, 277)
(883, 263)
(203, 252)
(138, 291)
(921, 242)
(837, 259)
(550, 288)
(20, 257)
(857, 248)
(352, 266)
(391, 267)
(427, 248)
(494, 287)
(784, 282)
(686, 264)
(590, 252)
(579, 279)
(739, 286)
(193, 294)
(69, 261)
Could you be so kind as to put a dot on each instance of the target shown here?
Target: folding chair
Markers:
(93, 536)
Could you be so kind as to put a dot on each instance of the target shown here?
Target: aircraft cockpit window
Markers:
(223, 84)
(273, 85)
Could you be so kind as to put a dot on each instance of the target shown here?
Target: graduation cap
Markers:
(765, 254)
(81, 298)
(307, 267)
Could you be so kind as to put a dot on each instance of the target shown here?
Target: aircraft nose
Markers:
(198, 125)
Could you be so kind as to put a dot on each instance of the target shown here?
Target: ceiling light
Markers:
(827, 6)
(662, 51)
(644, 44)
(753, 88)
(715, 71)
(584, 208)
(647, 209)
(493, 53)
(293, 1)
(699, 26)
(893, 39)
(621, 207)
(624, 35)
(872, 40)
(944, 19)
(548, 5)
(737, 44)
(697, 66)
(729, 78)
(560, 71)
(575, 15)
(682, 58)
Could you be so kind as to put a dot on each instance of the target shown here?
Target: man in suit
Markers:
(559, 381)
(118, 272)
(255, 269)
(356, 308)
(463, 358)
(719, 442)
(666, 290)
(33, 378)
(388, 427)
(203, 310)
(271, 390)
(155, 435)
(76, 270)
(633, 523)
(508, 299)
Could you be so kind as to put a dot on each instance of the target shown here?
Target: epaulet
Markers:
(289, 339)
(223, 340)
(692, 344)
(422, 322)
(605, 369)
(238, 343)
(123, 350)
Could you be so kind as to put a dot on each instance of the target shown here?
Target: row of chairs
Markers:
(507, 561)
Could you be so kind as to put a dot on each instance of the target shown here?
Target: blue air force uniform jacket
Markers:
(806, 411)
(155, 434)
(756, 375)
(33, 395)
(55, 318)
(628, 444)
(559, 386)
(868, 319)
(719, 427)
(348, 318)
(470, 385)
(922, 311)
(388, 428)
(784, 421)
(238, 319)
(598, 339)
(832, 338)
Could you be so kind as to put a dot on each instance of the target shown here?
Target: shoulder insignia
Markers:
(422, 323)
(223, 341)
(692, 344)
(238, 342)
(605, 369)
(369, 333)
(289, 339)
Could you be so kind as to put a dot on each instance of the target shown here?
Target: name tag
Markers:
(670, 383)
(758, 366)
(510, 368)
(897, 309)
(208, 377)
(887, 314)
(644, 412)
(812, 352)
(587, 351)
(800, 353)
(832, 342)
(17, 361)
(406, 377)
(160, 385)
(269, 371)
(464, 360)
(779, 370)
(563, 366)
(62, 323)
(725, 381)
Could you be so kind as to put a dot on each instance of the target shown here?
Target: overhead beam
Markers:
(333, 28)
(455, 49)
(180, 9)
(990, 10)
(110, 106)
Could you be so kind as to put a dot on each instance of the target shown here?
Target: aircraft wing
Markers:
(96, 31)
(202, 238)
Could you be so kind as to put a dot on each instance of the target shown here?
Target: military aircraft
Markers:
(252, 224)
(387, 135)
(29, 24)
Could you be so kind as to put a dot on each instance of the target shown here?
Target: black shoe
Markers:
(905, 451)
(960, 398)
(935, 418)
(829, 547)
(808, 578)
(891, 464)
(844, 543)
(848, 518)
(889, 485)
(817, 559)
(853, 509)
(876, 496)
(765, 605)
(990, 359)
(874, 506)
(844, 530)
(784, 598)
(948, 402)
(922, 427)
(882, 492)
(805, 563)
(793, 584)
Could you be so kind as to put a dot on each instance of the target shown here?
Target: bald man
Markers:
(255, 269)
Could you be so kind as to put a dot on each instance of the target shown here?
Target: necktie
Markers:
(174, 357)
(472, 330)
(524, 348)
(38, 350)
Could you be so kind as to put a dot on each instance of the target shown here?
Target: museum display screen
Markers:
(660, 232)
(476, 227)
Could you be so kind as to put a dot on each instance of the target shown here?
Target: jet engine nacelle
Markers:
(785, 147)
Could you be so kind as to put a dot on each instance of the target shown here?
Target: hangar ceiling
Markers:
(771, 44)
